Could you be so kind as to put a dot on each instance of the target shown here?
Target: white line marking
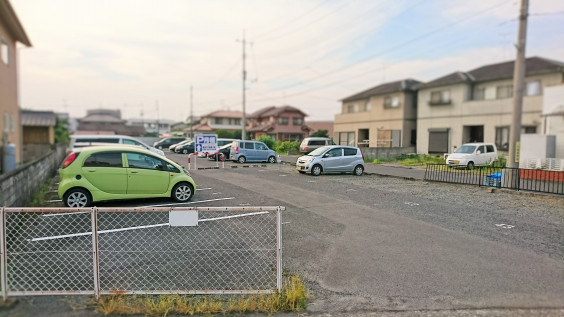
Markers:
(190, 202)
(197, 189)
(140, 227)
(236, 216)
(53, 201)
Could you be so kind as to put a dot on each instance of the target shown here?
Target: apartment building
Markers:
(477, 106)
(11, 32)
(382, 116)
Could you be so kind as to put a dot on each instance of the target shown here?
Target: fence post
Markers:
(278, 249)
(3, 257)
(95, 254)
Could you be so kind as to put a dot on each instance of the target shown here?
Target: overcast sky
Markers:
(142, 56)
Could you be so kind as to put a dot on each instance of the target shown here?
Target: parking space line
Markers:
(140, 227)
(208, 188)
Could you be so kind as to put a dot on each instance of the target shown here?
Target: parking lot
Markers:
(380, 243)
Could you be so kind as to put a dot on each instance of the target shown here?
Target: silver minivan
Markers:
(312, 143)
(332, 159)
(251, 151)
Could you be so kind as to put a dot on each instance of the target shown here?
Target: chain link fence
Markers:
(218, 250)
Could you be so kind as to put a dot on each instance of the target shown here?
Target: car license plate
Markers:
(456, 162)
(299, 167)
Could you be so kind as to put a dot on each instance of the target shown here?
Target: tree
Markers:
(62, 131)
(320, 133)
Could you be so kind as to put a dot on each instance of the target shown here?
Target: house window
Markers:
(529, 130)
(391, 102)
(6, 122)
(533, 88)
(297, 121)
(479, 93)
(504, 91)
(4, 52)
(12, 122)
(502, 138)
(218, 120)
(345, 138)
(368, 106)
(352, 108)
(283, 121)
(441, 97)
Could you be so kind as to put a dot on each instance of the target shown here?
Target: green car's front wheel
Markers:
(182, 192)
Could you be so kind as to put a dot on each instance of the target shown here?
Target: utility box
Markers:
(8, 158)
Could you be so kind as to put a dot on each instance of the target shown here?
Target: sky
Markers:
(143, 56)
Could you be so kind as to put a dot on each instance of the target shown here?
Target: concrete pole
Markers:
(244, 121)
(518, 87)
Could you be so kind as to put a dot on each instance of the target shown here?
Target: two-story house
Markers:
(107, 121)
(477, 106)
(382, 116)
(11, 32)
(221, 119)
(284, 123)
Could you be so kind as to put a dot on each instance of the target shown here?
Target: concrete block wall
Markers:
(387, 153)
(18, 186)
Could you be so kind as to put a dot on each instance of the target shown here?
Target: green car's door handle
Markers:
(92, 170)
(134, 172)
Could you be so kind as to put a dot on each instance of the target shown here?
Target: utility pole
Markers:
(518, 87)
(191, 114)
(243, 122)
(158, 128)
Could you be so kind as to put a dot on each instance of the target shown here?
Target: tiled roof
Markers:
(262, 128)
(224, 114)
(274, 111)
(533, 65)
(38, 118)
(100, 118)
(386, 88)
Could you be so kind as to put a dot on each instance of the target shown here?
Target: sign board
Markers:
(183, 218)
(205, 143)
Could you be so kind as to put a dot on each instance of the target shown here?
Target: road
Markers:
(371, 244)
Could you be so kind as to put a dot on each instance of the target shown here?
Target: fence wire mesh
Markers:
(231, 250)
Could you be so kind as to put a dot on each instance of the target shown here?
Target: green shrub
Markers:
(286, 146)
(267, 140)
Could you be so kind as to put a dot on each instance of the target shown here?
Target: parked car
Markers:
(224, 151)
(186, 148)
(473, 154)
(100, 173)
(173, 147)
(332, 159)
(251, 151)
(79, 140)
(166, 142)
(312, 143)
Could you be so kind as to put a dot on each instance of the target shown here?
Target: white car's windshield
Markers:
(318, 151)
(465, 149)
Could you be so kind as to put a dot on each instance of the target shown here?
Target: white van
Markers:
(473, 154)
(78, 140)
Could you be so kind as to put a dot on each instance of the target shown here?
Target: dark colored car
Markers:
(166, 142)
(173, 147)
(187, 148)
(223, 150)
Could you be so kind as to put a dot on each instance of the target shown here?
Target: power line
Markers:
(286, 23)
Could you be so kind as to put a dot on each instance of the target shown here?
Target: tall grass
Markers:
(292, 298)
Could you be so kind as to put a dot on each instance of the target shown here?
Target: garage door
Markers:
(438, 141)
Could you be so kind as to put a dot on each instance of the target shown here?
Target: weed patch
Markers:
(292, 298)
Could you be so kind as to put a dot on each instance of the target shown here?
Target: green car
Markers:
(99, 173)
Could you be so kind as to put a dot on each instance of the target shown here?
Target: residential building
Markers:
(11, 32)
(553, 116)
(160, 127)
(382, 116)
(106, 121)
(477, 106)
(284, 123)
(38, 133)
(321, 125)
(221, 119)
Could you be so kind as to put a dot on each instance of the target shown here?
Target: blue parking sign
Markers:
(206, 143)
